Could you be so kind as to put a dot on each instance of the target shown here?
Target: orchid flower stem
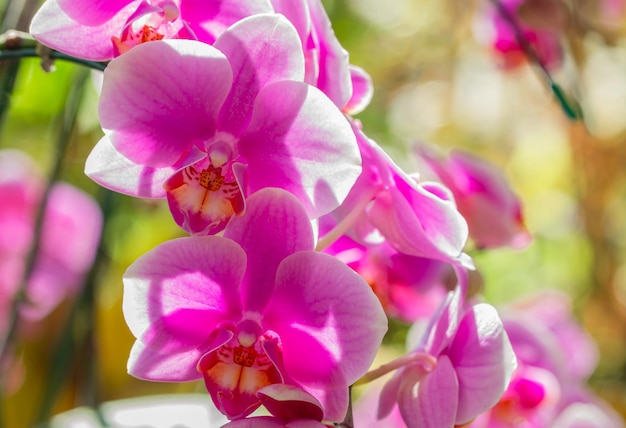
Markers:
(427, 361)
(570, 107)
(34, 52)
(346, 222)
(71, 110)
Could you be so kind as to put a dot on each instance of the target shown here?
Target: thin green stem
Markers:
(426, 361)
(31, 52)
(570, 107)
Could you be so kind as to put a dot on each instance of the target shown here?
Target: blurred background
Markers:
(437, 78)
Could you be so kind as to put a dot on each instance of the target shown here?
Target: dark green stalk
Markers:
(31, 52)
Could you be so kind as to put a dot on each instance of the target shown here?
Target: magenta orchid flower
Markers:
(462, 366)
(253, 308)
(408, 287)
(69, 237)
(483, 196)
(206, 125)
(385, 203)
(100, 30)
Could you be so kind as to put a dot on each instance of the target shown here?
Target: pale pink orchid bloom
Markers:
(462, 365)
(386, 204)
(483, 196)
(100, 30)
(206, 125)
(253, 308)
(69, 237)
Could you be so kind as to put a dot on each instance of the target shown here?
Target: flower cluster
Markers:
(305, 236)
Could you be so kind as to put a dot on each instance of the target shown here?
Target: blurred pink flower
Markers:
(69, 237)
(253, 308)
(483, 196)
(540, 22)
(463, 364)
(206, 125)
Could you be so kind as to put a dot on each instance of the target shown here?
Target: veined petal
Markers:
(329, 320)
(207, 20)
(176, 294)
(334, 75)
(484, 361)
(431, 401)
(261, 49)
(299, 141)
(150, 363)
(82, 28)
(273, 227)
(107, 167)
(161, 98)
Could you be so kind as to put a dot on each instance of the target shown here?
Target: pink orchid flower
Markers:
(69, 237)
(460, 369)
(206, 125)
(409, 288)
(100, 30)
(483, 196)
(290, 406)
(555, 358)
(253, 308)
(385, 203)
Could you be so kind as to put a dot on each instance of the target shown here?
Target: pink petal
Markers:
(107, 167)
(299, 141)
(207, 20)
(176, 294)
(148, 363)
(484, 361)
(329, 320)
(273, 227)
(362, 91)
(419, 223)
(69, 240)
(161, 98)
(443, 326)
(334, 75)
(290, 402)
(82, 29)
(432, 403)
(261, 49)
